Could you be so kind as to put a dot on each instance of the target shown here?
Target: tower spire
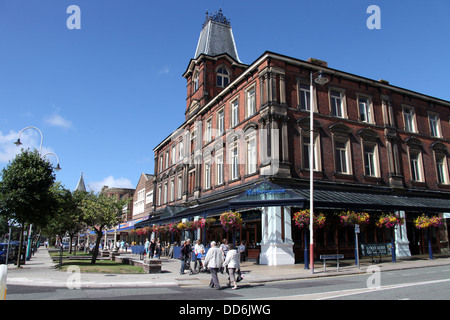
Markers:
(81, 186)
(216, 37)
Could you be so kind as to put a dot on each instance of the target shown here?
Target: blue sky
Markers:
(105, 95)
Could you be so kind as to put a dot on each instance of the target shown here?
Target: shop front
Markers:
(271, 236)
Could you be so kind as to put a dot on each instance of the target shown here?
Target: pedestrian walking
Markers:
(157, 249)
(152, 248)
(184, 254)
(147, 247)
(213, 261)
(224, 247)
(231, 263)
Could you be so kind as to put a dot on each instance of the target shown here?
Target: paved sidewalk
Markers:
(40, 271)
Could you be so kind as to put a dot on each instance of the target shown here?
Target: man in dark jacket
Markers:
(152, 248)
(185, 253)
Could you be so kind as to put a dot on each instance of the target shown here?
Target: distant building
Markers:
(80, 185)
(143, 197)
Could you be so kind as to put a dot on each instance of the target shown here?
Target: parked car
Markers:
(3, 252)
(65, 245)
(3, 249)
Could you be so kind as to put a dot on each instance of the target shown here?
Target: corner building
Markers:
(245, 145)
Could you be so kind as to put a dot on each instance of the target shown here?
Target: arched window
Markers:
(223, 77)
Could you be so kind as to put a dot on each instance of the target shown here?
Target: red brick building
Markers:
(245, 144)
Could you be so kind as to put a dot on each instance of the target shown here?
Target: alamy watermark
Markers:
(374, 21)
(74, 20)
(374, 280)
(74, 279)
(232, 147)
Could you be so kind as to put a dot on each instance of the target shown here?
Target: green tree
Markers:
(101, 213)
(69, 217)
(25, 195)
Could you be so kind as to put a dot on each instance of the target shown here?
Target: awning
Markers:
(331, 199)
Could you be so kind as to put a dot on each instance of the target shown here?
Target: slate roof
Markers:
(216, 38)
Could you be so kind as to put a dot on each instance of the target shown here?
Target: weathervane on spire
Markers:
(217, 17)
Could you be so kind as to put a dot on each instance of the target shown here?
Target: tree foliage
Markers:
(68, 218)
(25, 195)
(100, 213)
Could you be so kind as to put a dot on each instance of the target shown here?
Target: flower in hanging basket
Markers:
(350, 218)
(190, 225)
(319, 221)
(164, 228)
(182, 226)
(209, 221)
(301, 219)
(198, 224)
(230, 219)
(389, 221)
(436, 221)
(172, 227)
(423, 222)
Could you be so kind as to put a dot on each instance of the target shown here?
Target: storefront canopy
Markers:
(267, 193)
(330, 199)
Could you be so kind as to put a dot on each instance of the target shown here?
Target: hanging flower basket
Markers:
(230, 219)
(199, 224)
(209, 221)
(182, 226)
(301, 219)
(350, 218)
(191, 225)
(164, 228)
(172, 227)
(389, 221)
(423, 222)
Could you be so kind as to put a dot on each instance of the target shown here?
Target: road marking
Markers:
(349, 292)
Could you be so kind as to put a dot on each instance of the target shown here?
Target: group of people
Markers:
(153, 248)
(218, 258)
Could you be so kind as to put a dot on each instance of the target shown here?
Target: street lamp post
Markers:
(18, 143)
(57, 168)
(321, 80)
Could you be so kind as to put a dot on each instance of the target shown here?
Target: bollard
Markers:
(3, 274)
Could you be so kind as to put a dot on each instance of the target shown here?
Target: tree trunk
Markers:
(70, 243)
(20, 244)
(97, 246)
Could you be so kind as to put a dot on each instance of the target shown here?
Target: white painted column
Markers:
(275, 249)
(401, 238)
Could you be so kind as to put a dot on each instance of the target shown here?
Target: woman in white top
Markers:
(232, 262)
